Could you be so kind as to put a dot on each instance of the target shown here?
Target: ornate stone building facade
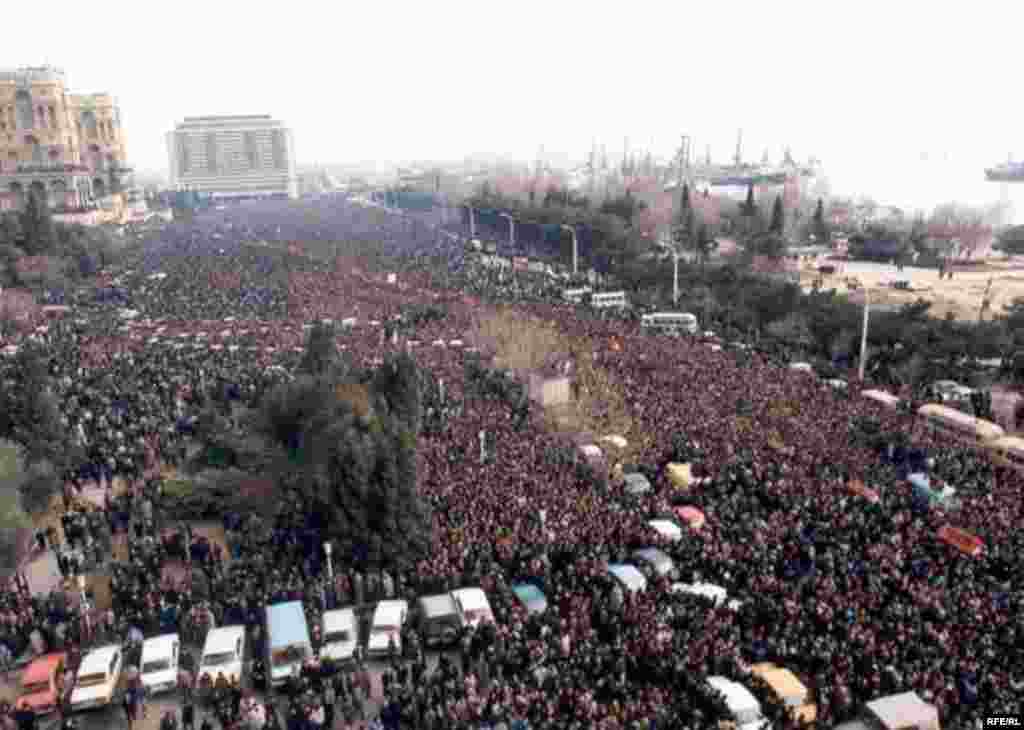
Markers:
(233, 156)
(68, 148)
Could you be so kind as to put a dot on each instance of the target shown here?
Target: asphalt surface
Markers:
(114, 716)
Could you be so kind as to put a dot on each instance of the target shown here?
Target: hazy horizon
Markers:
(868, 89)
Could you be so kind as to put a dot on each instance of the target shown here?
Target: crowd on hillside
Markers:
(856, 596)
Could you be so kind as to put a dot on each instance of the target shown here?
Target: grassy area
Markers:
(523, 343)
(11, 468)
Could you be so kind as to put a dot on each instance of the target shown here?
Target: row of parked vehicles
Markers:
(439, 618)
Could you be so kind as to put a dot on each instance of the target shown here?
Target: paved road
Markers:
(113, 717)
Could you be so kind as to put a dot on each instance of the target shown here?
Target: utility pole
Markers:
(985, 300)
(590, 167)
(738, 158)
(864, 334)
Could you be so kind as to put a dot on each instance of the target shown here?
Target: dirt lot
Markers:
(962, 295)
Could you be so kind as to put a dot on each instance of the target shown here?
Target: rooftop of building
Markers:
(229, 118)
(32, 73)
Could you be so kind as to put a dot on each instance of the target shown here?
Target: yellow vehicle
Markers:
(1008, 452)
(789, 689)
(956, 424)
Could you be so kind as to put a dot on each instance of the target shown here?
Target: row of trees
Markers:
(39, 253)
(342, 440)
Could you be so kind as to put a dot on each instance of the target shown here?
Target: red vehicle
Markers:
(42, 684)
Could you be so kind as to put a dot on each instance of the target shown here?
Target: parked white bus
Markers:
(610, 300)
(576, 295)
(880, 396)
(672, 323)
(952, 422)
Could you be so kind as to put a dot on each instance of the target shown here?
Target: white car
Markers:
(160, 663)
(743, 706)
(473, 606)
(97, 678)
(388, 619)
(340, 635)
(715, 593)
(223, 653)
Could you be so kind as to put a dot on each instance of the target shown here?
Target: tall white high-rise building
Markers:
(233, 156)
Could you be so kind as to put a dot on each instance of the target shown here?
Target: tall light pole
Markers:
(472, 222)
(575, 250)
(864, 334)
(85, 604)
(675, 277)
(330, 565)
(511, 228)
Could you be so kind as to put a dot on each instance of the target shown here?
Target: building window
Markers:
(211, 152)
(23, 107)
(88, 124)
(252, 150)
(183, 155)
(280, 151)
(37, 149)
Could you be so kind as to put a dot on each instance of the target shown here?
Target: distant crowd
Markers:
(857, 596)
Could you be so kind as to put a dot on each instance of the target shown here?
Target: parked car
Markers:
(629, 576)
(223, 653)
(531, 597)
(789, 689)
(743, 706)
(42, 684)
(386, 627)
(340, 635)
(437, 619)
(656, 563)
(98, 676)
(473, 606)
(906, 711)
(159, 664)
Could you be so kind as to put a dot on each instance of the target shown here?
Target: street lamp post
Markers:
(675, 277)
(511, 228)
(472, 222)
(330, 566)
(85, 604)
(864, 334)
(575, 249)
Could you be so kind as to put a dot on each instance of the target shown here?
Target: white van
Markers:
(388, 619)
(628, 576)
(340, 635)
(743, 706)
(473, 606)
(288, 643)
(97, 678)
(223, 653)
(159, 668)
(716, 593)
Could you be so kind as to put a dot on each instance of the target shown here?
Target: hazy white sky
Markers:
(866, 86)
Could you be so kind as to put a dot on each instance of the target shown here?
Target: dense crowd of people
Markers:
(855, 595)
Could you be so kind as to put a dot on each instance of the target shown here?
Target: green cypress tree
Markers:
(778, 217)
(750, 206)
(37, 226)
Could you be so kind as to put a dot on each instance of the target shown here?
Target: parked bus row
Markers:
(1004, 450)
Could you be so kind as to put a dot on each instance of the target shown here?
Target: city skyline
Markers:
(868, 97)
